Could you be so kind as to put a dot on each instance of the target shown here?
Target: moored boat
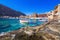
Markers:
(23, 21)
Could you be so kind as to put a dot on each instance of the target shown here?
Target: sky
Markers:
(31, 6)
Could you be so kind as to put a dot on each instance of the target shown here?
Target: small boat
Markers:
(23, 21)
(34, 18)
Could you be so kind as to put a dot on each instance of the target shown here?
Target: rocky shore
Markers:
(47, 31)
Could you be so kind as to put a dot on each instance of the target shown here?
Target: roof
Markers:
(42, 15)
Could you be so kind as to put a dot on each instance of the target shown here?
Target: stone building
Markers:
(34, 15)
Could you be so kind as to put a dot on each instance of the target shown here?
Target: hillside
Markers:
(6, 11)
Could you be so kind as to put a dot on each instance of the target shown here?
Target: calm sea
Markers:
(7, 25)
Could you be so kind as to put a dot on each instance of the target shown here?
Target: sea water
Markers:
(8, 25)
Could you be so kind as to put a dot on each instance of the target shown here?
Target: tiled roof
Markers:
(42, 15)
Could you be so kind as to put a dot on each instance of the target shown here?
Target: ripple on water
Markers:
(7, 25)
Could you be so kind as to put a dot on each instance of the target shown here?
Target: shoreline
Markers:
(44, 30)
(15, 31)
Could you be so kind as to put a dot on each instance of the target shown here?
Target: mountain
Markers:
(6, 11)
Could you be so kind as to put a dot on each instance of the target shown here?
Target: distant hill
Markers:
(6, 11)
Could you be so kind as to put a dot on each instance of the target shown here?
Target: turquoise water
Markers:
(7, 25)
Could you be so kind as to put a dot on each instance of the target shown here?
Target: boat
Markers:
(23, 21)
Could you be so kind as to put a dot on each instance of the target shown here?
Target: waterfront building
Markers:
(42, 16)
(27, 16)
(4, 16)
(22, 16)
(34, 15)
